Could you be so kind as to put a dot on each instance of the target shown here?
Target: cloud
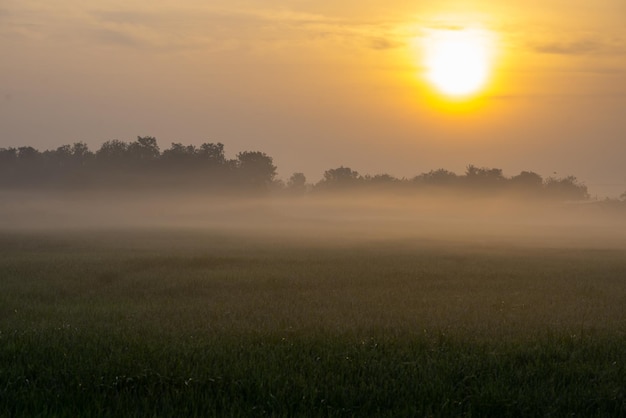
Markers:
(583, 46)
(382, 44)
(115, 37)
(216, 29)
(180, 29)
(123, 17)
(557, 96)
(16, 24)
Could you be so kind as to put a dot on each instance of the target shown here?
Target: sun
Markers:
(458, 61)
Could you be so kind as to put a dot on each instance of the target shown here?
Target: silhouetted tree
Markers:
(483, 175)
(121, 164)
(144, 149)
(438, 178)
(63, 154)
(28, 154)
(180, 155)
(68, 164)
(341, 177)
(527, 179)
(382, 183)
(212, 153)
(255, 169)
(113, 152)
(8, 165)
(30, 169)
(80, 152)
(8, 155)
(567, 188)
(381, 179)
(484, 180)
(527, 183)
(297, 183)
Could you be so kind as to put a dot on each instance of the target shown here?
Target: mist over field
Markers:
(138, 185)
(343, 302)
(332, 217)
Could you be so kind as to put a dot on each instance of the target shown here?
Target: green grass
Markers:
(183, 323)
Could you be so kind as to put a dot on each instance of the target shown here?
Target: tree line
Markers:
(121, 164)
(141, 163)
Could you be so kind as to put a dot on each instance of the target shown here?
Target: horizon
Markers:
(66, 150)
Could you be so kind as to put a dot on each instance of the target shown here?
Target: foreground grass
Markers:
(73, 374)
(207, 324)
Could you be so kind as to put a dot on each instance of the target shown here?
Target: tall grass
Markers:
(209, 324)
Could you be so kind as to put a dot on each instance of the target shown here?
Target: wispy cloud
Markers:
(238, 28)
(202, 27)
(211, 29)
(115, 37)
(381, 43)
(581, 46)
(20, 23)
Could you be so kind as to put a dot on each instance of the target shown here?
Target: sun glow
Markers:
(458, 61)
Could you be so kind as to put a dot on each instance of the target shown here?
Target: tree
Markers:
(68, 156)
(527, 179)
(113, 152)
(339, 178)
(567, 188)
(341, 174)
(144, 149)
(212, 153)
(71, 155)
(8, 162)
(483, 174)
(30, 167)
(381, 179)
(8, 156)
(256, 169)
(61, 154)
(68, 165)
(527, 182)
(438, 178)
(297, 183)
(484, 178)
(179, 154)
(29, 154)
(80, 152)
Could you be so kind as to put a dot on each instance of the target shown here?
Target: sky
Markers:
(318, 84)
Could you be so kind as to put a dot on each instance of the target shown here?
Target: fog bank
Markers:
(332, 218)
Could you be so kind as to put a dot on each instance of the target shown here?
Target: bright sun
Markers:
(458, 62)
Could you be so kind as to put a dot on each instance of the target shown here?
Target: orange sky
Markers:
(318, 84)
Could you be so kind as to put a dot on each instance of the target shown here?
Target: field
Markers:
(181, 322)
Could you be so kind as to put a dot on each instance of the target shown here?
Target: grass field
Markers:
(188, 323)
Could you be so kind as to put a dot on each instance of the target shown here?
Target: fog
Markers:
(328, 218)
